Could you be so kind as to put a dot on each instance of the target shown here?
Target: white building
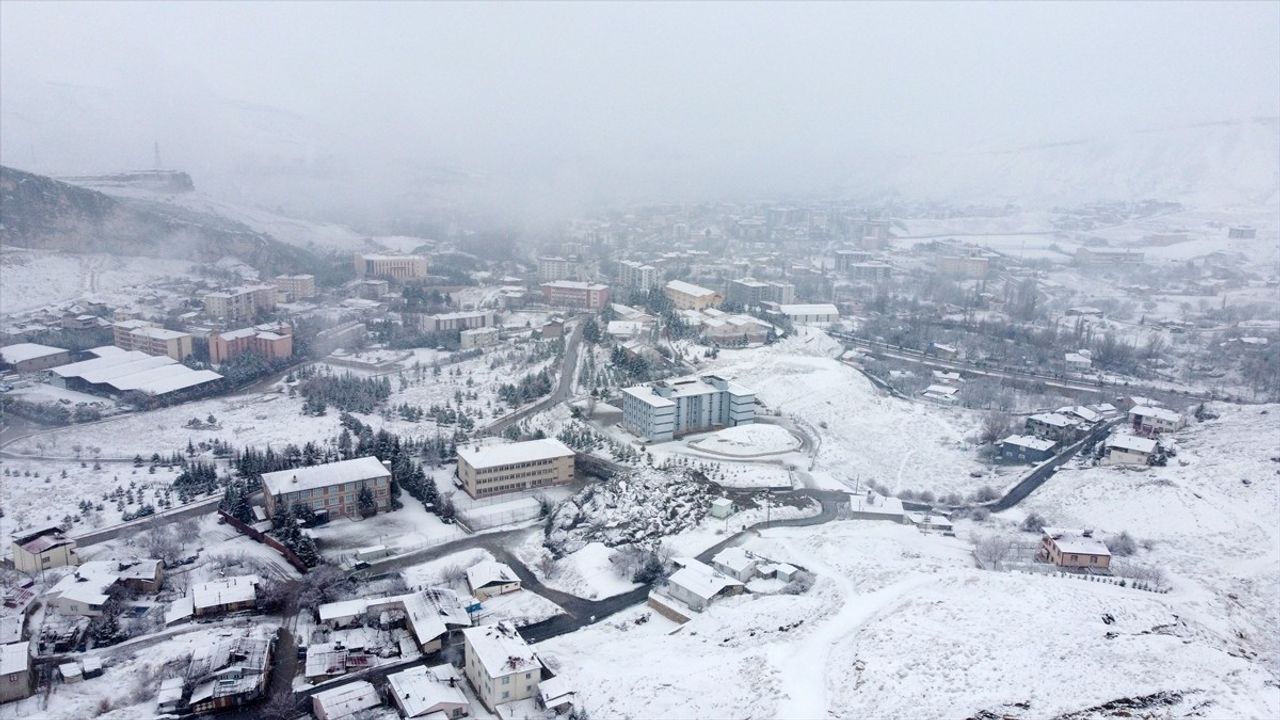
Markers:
(500, 665)
(429, 691)
(637, 276)
(1154, 420)
(345, 701)
(735, 562)
(1128, 450)
(489, 578)
(669, 408)
(813, 314)
(513, 467)
(478, 338)
(696, 584)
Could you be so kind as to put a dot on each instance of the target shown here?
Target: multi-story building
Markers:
(500, 665)
(296, 287)
(145, 337)
(687, 296)
(870, 271)
(1075, 549)
(496, 469)
(747, 292)
(780, 292)
(637, 275)
(44, 549)
(275, 342)
(845, 259)
(552, 268)
(574, 294)
(398, 267)
(1154, 420)
(371, 289)
(477, 338)
(964, 266)
(811, 314)
(15, 671)
(33, 357)
(240, 304)
(444, 322)
(334, 487)
(667, 409)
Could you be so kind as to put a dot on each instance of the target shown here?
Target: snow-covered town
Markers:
(287, 432)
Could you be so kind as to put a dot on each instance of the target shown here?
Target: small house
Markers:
(434, 692)
(1128, 450)
(696, 584)
(1026, 448)
(1053, 426)
(721, 508)
(169, 699)
(941, 393)
(735, 562)
(1075, 549)
(489, 578)
(44, 549)
(15, 671)
(344, 701)
(1147, 420)
(556, 695)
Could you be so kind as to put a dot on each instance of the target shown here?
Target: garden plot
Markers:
(890, 609)
(404, 530)
(521, 607)
(860, 432)
(447, 571)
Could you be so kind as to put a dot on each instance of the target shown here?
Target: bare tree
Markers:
(995, 425)
(452, 574)
(992, 550)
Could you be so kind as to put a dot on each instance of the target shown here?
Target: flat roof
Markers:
(490, 572)
(1134, 443)
(1029, 441)
(1155, 412)
(347, 700)
(489, 456)
(160, 333)
(15, 658)
(646, 395)
(241, 588)
(21, 352)
(688, 288)
(574, 285)
(814, 309)
(317, 476)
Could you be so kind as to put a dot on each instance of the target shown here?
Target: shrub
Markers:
(1033, 523)
(1122, 545)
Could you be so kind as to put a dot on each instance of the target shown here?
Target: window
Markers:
(528, 675)
(505, 694)
(506, 680)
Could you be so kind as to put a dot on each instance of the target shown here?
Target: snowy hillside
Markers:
(1210, 514)
(35, 278)
(863, 433)
(1220, 164)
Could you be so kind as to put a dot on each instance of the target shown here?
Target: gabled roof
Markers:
(735, 558)
(326, 475)
(490, 572)
(501, 650)
(701, 579)
(1133, 444)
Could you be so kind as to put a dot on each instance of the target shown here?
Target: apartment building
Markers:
(43, 549)
(670, 408)
(553, 268)
(637, 276)
(296, 287)
(145, 337)
(1090, 256)
(333, 487)
(275, 342)
(240, 304)
(500, 665)
(477, 338)
(810, 314)
(687, 296)
(962, 266)
(513, 467)
(845, 259)
(869, 271)
(747, 292)
(574, 294)
(444, 322)
(780, 292)
(399, 267)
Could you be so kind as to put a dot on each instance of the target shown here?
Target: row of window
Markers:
(512, 466)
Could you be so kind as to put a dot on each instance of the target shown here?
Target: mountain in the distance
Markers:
(1224, 164)
(43, 213)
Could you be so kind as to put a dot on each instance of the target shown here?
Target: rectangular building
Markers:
(444, 322)
(962, 266)
(513, 467)
(399, 267)
(747, 292)
(15, 671)
(1075, 549)
(1154, 420)
(783, 293)
(687, 296)
(814, 314)
(240, 304)
(44, 549)
(670, 408)
(551, 269)
(273, 344)
(297, 287)
(145, 337)
(637, 276)
(500, 665)
(573, 294)
(33, 357)
(870, 271)
(1092, 256)
(334, 487)
(478, 338)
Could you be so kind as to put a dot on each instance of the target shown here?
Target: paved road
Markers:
(1041, 474)
(562, 392)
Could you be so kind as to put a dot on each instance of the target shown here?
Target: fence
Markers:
(289, 556)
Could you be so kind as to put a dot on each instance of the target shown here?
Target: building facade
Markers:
(551, 269)
(1088, 256)
(240, 304)
(296, 287)
(513, 467)
(44, 549)
(687, 296)
(670, 408)
(637, 275)
(274, 344)
(333, 487)
(478, 338)
(145, 337)
(445, 322)
(1076, 549)
(962, 266)
(573, 294)
(32, 357)
(747, 292)
(500, 665)
(399, 267)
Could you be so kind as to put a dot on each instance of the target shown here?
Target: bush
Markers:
(1122, 545)
(980, 515)
(800, 584)
(1033, 523)
(986, 493)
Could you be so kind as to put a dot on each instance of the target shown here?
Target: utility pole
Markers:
(157, 148)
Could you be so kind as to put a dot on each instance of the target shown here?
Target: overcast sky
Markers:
(751, 97)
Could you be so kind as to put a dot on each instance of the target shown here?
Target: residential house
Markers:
(1052, 426)
(1026, 448)
(229, 673)
(421, 617)
(1074, 549)
(15, 671)
(434, 692)
(1128, 450)
(1147, 420)
(345, 701)
(941, 393)
(44, 549)
(489, 578)
(696, 584)
(555, 694)
(735, 562)
(333, 487)
(500, 665)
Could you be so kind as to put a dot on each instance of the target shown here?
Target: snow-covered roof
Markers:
(15, 658)
(420, 689)
(1132, 443)
(1081, 412)
(489, 456)
(814, 309)
(1075, 541)
(574, 285)
(1077, 359)
(1029, 441)
(226, 591)
(689, 288)
(1155, 412)
(21, 352)
(88, 584)
(700, 579)
(1053, 419)
(943, 390)
(646, 395)
(11, 628)
(501, 650)
(554, 691)
(735, 558)
(102, 362)
(722, 502)
(423, 618)
(326, 475)
(489, 572)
